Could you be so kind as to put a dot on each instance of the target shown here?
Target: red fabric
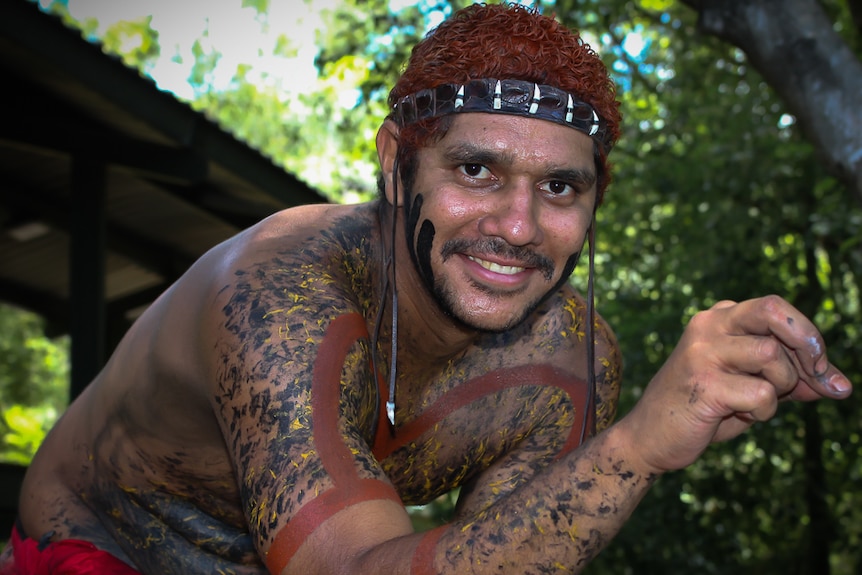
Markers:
(65, 557)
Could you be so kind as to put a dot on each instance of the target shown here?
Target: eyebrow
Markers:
(575, 176)
(468, 153)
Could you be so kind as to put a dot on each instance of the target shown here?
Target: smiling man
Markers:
(497, 214)
(277, 408)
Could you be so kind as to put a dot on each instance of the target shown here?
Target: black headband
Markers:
(515, 97)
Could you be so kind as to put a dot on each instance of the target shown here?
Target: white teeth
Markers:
(496, 268)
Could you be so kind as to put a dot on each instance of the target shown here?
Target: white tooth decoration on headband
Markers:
(459, 100)
(595, 127)
(537, 95)
(523, 98)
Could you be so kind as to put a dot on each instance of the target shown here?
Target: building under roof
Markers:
(109, 189)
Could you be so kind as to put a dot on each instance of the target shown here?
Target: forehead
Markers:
(517, 138)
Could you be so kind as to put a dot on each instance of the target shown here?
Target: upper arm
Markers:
(297, 401)
(608, 369)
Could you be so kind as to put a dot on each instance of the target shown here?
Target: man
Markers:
(279, 405)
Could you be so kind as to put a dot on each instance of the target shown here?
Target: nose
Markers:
(513, 215)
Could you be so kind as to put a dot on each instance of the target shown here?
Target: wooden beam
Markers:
(87, 271)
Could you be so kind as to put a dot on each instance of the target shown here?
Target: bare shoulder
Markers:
(276, 264)
(294, 262)
(559, 328)
(303, 234)
(167, 357)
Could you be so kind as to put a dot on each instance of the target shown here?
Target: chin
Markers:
(498, 314)
(491, 322)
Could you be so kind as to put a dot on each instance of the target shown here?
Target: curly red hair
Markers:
(512, 42)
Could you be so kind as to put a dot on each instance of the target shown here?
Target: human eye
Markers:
(559, 189)
(475, 171)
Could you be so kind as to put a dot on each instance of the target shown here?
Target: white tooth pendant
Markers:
(459, 98)
(595, 127)
(537, 95)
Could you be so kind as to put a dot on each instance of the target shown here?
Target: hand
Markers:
(732, 366)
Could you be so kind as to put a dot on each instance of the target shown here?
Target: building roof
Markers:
(169, 182)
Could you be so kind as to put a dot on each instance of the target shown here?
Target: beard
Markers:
(447, 297)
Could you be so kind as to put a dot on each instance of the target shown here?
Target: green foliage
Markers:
(135, 41)
(26, 428)
(326, 135)
(34, 375)
(262, 6)
(717, 196)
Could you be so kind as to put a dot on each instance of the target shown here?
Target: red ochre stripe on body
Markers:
(315, 512)
(545, 375)
(341, 335)
(423, 558)
(337, 460)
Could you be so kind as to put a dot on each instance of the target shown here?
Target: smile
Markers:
(497, 268)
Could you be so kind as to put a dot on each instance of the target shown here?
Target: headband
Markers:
(515, 97)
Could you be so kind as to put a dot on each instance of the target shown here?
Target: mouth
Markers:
(511, 262)
(497, 268)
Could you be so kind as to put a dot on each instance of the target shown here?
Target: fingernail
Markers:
(835, 384)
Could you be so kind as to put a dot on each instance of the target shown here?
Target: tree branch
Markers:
(856, 13)
(794, 47)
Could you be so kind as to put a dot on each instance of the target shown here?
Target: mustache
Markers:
(499, 247)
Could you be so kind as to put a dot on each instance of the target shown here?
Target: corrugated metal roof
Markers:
(175, 183)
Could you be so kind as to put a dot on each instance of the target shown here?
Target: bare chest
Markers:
(534, 411)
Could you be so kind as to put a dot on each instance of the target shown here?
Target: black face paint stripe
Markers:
(420, 244)
(571, 263)
(423, 250)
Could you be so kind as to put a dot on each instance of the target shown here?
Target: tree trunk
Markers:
(793, 45)
(820, 528)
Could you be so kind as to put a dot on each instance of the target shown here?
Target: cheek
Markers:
(458, 210)
(569, 239)
(579, 238)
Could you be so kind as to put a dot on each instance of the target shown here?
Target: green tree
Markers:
(34, 382)
(718, 195)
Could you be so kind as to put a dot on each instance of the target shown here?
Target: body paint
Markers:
(338, 461)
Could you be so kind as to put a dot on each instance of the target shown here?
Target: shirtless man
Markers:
(243, 424)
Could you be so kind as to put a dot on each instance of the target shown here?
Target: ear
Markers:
(387, 150)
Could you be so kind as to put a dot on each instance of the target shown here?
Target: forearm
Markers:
(558, 521)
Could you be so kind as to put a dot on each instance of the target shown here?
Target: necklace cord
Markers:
(388, 285)
(390, 402)
(590, 414)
